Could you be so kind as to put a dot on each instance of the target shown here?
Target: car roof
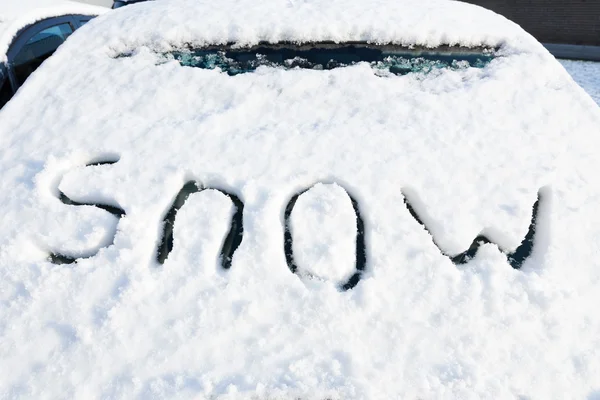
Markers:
(16, 15)
(408, 22)
(101, 142)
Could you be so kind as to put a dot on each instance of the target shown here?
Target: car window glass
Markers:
(37, 49)
(384, 60)
(83, 21)
(5, 91)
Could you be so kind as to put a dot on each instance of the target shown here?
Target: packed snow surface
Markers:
(99, 142)
(586, 74)
(17, 14)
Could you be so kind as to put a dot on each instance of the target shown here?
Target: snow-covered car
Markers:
(300, 199)
(30, 31)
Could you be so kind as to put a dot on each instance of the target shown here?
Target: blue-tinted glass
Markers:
(39, 47)
(383, 60)
(43, 43)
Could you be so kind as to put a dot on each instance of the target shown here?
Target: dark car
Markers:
(32, 44)
(121, 3)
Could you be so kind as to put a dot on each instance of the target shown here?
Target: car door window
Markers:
(39, 47)
(5, 91)
(84, 20)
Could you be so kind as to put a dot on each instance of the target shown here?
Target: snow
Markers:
(103, 3)
(244, 23)
(15, 15)
(470, 148)
(586, 74)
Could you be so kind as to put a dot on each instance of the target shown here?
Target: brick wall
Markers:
(552, 21)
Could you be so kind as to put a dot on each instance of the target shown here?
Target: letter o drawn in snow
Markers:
(360, 253)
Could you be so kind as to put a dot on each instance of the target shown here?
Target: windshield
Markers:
(383, 59)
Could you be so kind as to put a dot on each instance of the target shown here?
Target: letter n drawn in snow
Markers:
(232, 239)
(515, 258)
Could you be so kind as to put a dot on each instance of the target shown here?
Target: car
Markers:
(317, 199)
(30, 31)
(121, 3)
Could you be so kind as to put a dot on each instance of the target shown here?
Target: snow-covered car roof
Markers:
(429, 23)
(16, 15)
(312, 177)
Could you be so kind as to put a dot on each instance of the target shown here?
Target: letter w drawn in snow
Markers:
(515, 258)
